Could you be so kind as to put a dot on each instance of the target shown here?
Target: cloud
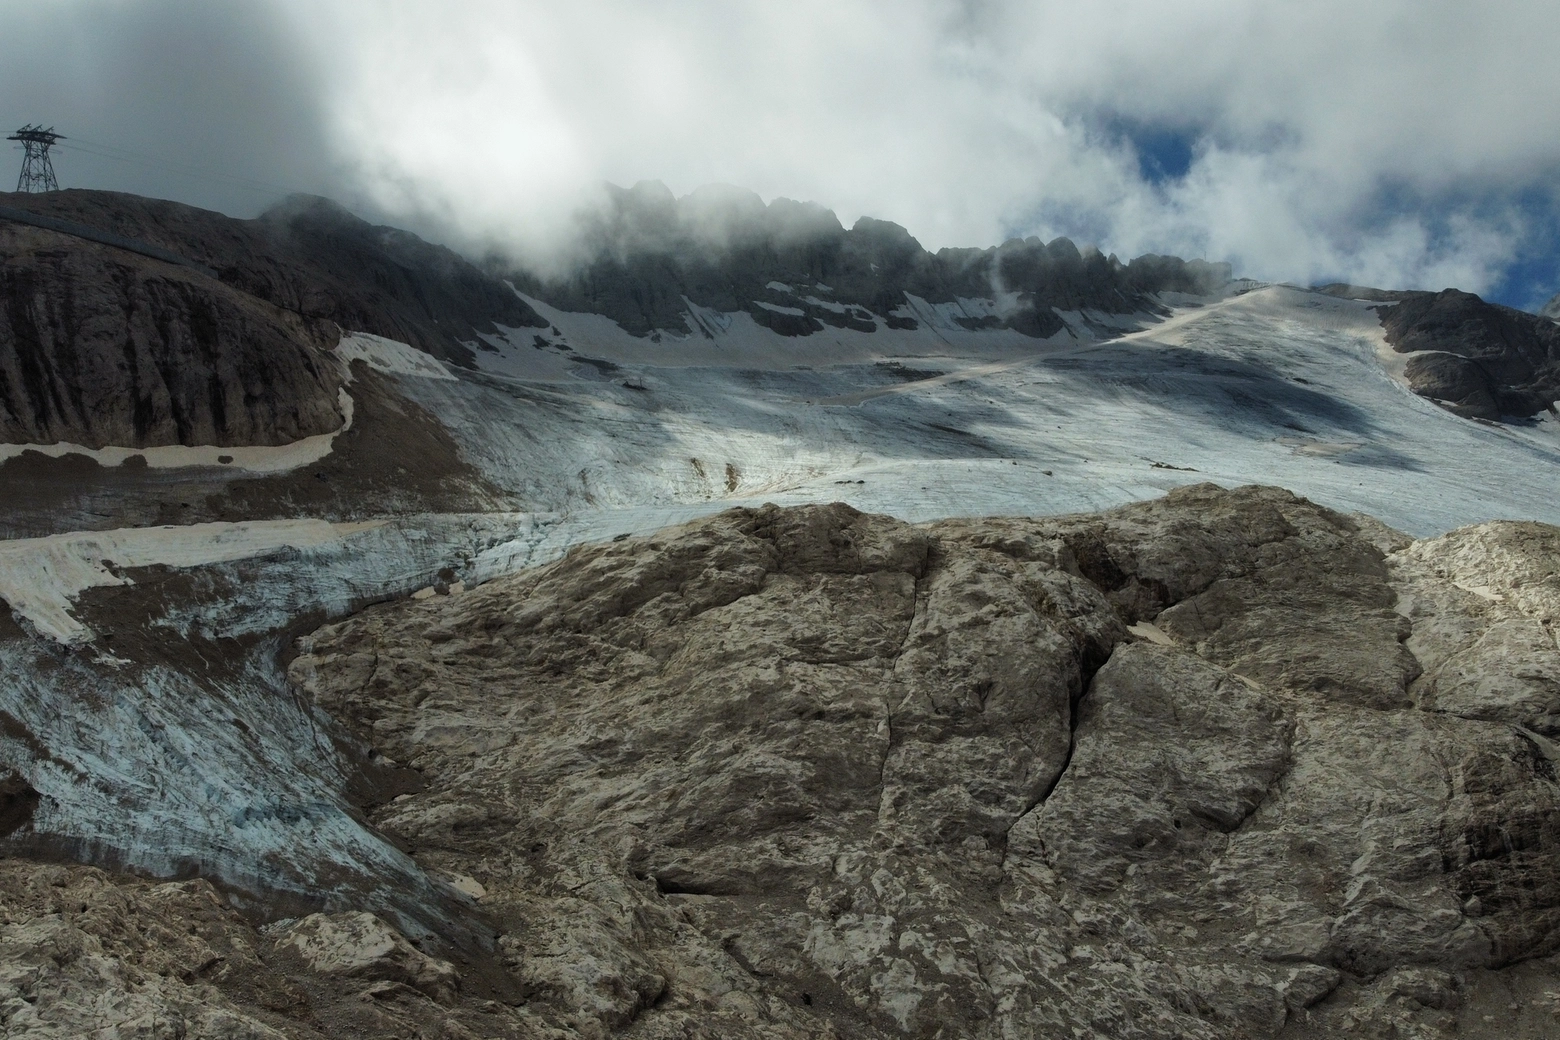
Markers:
(1405, 142)
(219, 105)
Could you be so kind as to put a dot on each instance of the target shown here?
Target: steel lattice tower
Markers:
(37, 170)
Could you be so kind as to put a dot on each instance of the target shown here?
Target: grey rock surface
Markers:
(361, 946)
(1552, 308)
(1224, 764)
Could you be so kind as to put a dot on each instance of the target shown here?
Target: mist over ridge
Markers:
(1416, 150)
(645, 255)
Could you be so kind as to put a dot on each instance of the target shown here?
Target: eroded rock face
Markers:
(1481, 360)
(311, 257)
(102, 347)
(814, 773)
(795, 270)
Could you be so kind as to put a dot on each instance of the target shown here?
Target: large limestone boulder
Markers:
(1224, 764)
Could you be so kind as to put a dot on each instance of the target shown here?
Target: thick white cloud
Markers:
(1377, 142)
(1388, 142)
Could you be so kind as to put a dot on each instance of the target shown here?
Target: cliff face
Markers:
(1481, 359)
(311, 257)
(100, 347)
(796, 270)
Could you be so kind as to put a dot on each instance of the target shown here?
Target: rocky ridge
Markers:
(1478, 359)
(794, 269)
(103, 346)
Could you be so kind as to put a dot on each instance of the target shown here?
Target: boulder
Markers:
(361, 946)
(1174, 770)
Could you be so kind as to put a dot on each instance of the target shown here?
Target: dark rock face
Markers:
(1362, 292)
(99, 346)
(320, 260)
(313, 258)
(1461, 383)
(722, 248)
(1491, 360)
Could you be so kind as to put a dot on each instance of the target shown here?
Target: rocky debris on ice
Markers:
(41, 578)
(805, 772)
(87, 954)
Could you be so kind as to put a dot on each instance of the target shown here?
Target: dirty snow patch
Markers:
(40, 578)
(390, 356)
(259, 458)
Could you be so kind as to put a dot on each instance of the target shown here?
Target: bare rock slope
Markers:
(310, 256)
(1226, 764)
(100, 346)
(1480, 360)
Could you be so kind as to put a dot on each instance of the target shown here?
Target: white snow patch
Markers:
(793, 311)
(41, 577)
(390, 356)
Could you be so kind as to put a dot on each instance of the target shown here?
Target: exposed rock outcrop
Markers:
(311, 257)
(361, 946)
(86, 954)
(1480, 359)
(1552, 308)
(102, 345)
(99, 346)
(795, 269)
(1224, 764)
